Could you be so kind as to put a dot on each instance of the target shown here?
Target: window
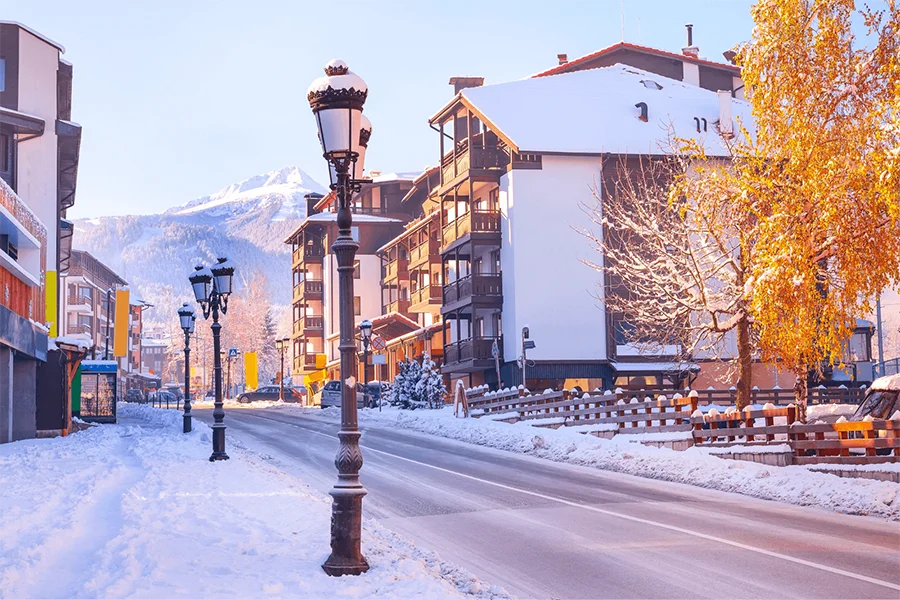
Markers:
(2, 74)
(357, 308)
(354, 232)
(356, 270)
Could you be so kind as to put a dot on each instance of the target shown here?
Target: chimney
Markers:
(690, 50)
(461, 83)
(726, 127)
(562, 58)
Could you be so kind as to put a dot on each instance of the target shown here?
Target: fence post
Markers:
(792, 435)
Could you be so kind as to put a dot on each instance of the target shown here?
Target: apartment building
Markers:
(39, 152)
(89, 303)
(379, 216)
(519, 162)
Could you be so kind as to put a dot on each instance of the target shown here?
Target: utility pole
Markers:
(878, 325)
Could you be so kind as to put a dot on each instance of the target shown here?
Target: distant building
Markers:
(39, 151)
(89, 303)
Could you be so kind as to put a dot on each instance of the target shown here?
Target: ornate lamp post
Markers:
(187, 317)
(282, 345)
(212, 286)
(365, 334)
(337, 103)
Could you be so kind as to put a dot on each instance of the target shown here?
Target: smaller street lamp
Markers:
(365, 334)
(212, 286)
(187, 317)
(282, 345)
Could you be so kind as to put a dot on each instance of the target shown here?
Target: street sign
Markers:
(379, 359)
(495, 350)
(528, 344)
(232, 353)
(378, 343)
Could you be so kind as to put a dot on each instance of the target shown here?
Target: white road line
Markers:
(610, 513)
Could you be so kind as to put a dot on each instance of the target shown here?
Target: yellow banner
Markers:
(321, 361)
(50, 301)
(313, 377)
(251, 370)
(120, 344)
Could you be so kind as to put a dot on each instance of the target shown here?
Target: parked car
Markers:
(331, 395)
(175, 390)
(271, 393)
(882, 399)
(168, 398)
(134, 395)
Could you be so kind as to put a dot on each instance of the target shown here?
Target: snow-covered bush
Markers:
(417, 385)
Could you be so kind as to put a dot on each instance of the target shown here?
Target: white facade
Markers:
(367, 287)
(546, 286)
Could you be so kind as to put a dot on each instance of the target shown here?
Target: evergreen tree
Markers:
(412, 399)
(396, 395)
(430, 386)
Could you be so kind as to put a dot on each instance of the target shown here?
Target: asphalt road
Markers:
(543, 529)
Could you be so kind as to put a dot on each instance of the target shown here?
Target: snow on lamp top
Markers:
(201, 281)
(222, 273)
(340, 86)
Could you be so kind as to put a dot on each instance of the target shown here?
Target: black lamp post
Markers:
(337, 102)
(212, 286)
(281, 345)
(365, 334)
(187, 317)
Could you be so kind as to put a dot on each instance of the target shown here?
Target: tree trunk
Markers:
(801, 392)
(745, 361)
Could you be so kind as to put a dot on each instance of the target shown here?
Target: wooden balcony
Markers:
(483, 288)
(310, 326)
(473, 222)
(309, 253)
(79, 329)
(481, 159)
(477, 349)
(309, 289)
(427, 252)
(425, 299)
(396, 268)
(398, 306)
(305, 362)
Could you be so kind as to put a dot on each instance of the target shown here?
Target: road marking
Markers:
(610, 513)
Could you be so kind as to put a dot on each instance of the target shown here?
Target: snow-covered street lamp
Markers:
(337, 103)
(212, 286)
(187, 317)
(282, 345)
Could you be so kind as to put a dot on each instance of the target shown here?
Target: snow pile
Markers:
(137, 509)
(695, 466)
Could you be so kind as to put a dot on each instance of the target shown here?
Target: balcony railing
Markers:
(78, 299)
(309, 323)
(481, 284)
(80, 329)
(398, 306)
(305, 362)
(427, 251)
(314, 252)
(395, 268)
(309, 289)
(490, 157)
(477, 221)
(477, 348)
(427, 293)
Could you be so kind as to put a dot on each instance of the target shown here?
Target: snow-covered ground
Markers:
(137, 510)
(695, 466)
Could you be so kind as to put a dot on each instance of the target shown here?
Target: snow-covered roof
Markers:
(594, 112)
(388, 177)
(642, 367)
(890, 382)
(327, 217)
(36, 34)
(70, 340)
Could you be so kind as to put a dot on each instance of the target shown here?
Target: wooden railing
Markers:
(309, 322)
(489, 157)
(427, 251)
(395, 268)
(308, 252)
(425, 294)
(479, 284)
(398, 306)
(477, 348)
(477, 221)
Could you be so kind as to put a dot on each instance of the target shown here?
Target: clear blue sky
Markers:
(178, 99)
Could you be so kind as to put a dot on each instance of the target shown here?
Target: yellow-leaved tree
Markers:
(822, 180)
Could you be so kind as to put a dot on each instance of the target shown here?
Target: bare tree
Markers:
(677, 259)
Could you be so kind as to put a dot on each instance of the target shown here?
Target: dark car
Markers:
(882, 399)
(271, 393)
(134, 395)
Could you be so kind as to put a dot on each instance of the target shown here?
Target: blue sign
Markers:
(495, 350)
(232, 353)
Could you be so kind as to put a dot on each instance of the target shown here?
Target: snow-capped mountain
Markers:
(246, 221)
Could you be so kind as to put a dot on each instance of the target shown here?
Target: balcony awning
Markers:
(21, 123)
(69, 137)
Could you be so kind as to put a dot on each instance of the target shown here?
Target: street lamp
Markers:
(187, 317)
(212, 286)
(365, 334)
(337, 102)
(282, 345)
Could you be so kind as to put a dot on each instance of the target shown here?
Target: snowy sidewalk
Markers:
(136, 509)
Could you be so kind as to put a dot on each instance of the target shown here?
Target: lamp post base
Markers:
(187, 423)
(346, 524)
(218, 443)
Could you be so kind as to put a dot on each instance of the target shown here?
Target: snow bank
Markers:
(695, 466)
(137, 509)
